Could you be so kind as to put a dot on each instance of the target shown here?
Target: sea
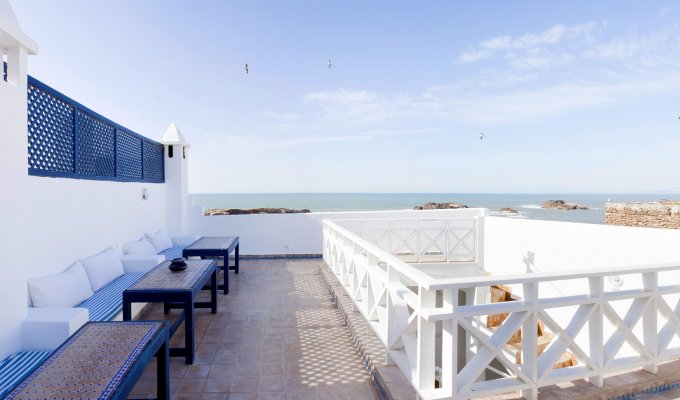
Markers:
(528, 205)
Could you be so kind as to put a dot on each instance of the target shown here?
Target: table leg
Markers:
(226, 273)
(189, 329)
(127, 309)
(163, 371)
(213, 292)
(236, 258)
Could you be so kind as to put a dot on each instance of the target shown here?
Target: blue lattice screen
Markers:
(130, 157)
(66, 139)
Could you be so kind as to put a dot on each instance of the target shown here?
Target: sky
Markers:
(575, 96)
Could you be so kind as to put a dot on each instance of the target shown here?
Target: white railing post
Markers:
(449, 381)
(479, 241)
(596, 329)
(425, 357)
(419, 247)
(530, 339)
(650, 282)
(390, 324)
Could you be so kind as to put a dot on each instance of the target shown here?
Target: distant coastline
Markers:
(527, 205)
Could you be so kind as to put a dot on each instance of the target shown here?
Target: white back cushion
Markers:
(66, 289)
(160, 240)
(142, 247)
(103, 268)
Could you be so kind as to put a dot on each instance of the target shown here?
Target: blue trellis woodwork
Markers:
(66, 139)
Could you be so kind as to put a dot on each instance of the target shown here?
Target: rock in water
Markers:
(440, 206)
(508, 210)
(563, 205)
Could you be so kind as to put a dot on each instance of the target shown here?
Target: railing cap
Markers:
(173, 136)
(11, 34)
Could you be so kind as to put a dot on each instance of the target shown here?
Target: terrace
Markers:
(434, 304)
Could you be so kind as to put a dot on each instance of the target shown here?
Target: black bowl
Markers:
(177, 267)
(177, 264)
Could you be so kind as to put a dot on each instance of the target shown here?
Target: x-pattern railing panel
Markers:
(421, 240)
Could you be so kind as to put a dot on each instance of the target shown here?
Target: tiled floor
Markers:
(276, 336)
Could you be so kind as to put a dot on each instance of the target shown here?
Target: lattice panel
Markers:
(50, 132)
(128, 155)
(96, 146)
(154, 167)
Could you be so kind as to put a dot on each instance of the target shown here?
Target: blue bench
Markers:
(173, 252)
(104, 305)
(17, 366)
(107, 302)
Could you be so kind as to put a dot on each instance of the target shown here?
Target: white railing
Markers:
(422, 320)
(420, 240)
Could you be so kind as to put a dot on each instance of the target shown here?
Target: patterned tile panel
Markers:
(206, 243)
(91, 364)
(161, 278)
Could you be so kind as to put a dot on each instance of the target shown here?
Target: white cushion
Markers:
(160, 241)
(103, 268)
(142, 247)
(66, 289)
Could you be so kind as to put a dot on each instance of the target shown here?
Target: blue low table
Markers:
(160, 285)
(102, 360)
(216, 247)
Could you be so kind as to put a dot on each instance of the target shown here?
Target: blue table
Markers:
(216, 247)
(102, 360)
(160, 285)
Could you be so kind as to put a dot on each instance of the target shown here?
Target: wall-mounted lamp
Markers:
(616, 282)
(145, 194)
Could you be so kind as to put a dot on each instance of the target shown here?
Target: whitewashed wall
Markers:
(262, 234)
(559, 246)
(47, 223)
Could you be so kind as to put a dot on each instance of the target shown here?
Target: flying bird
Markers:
(329, 64)
(246, 68)
(482, 136)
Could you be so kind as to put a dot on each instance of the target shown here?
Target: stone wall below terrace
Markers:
(656, 214)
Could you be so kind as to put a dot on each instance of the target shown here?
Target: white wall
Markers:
(47, 223)
(261, 234)
(559, 246)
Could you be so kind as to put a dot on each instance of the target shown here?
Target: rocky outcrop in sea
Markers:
(563, 205)
(508, 210)
(239, 211)
(440, 206)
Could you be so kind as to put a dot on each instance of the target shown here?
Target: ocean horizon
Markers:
(528, 205)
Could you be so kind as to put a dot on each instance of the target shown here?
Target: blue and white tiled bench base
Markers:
(17, 366)
(107, 302)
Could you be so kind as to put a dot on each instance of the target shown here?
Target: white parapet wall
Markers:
(563, 246)
(281, 234)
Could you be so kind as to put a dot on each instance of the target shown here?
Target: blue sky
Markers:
(575, 96)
